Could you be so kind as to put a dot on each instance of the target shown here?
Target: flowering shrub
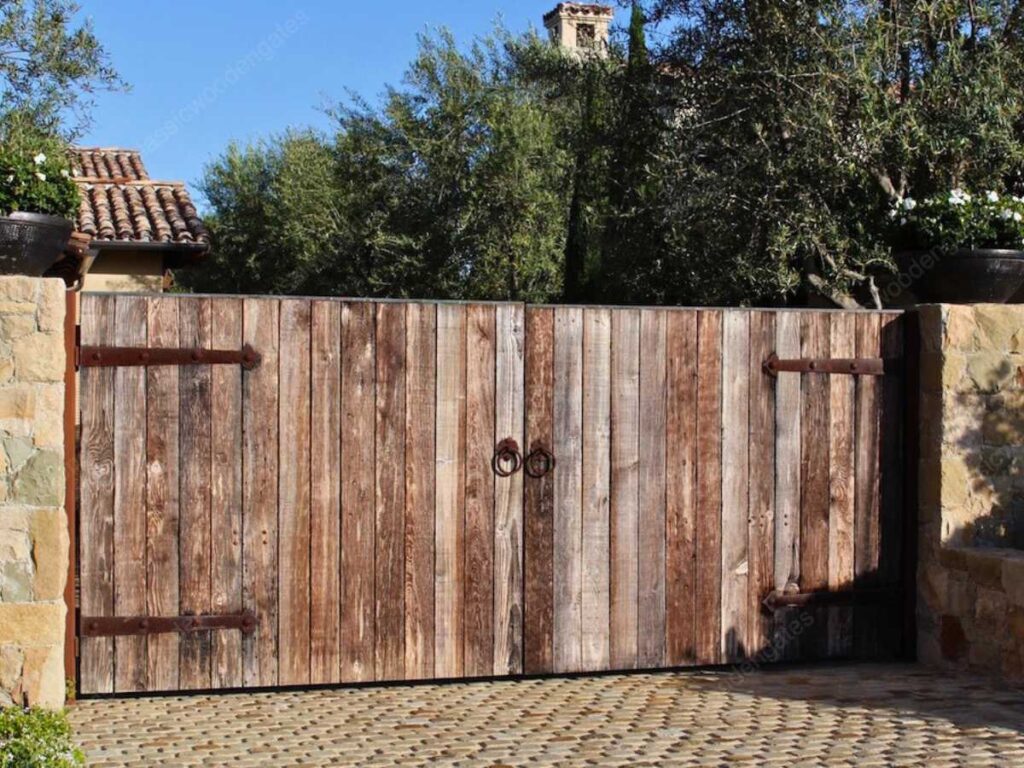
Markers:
(36, 738)
(35, 176)
(959, 219)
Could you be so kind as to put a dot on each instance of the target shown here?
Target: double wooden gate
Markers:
(338, 514)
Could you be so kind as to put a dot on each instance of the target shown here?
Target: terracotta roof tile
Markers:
(121, 203)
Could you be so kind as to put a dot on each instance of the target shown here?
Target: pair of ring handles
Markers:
(508, 460)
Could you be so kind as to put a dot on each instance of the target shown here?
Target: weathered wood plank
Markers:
(325, 494)
(708, 594)
(130, 663)
(761, 525)
(568, 418)
(358, 402)
(680, 487)
(653, 418)
(787, 482)
(597, 329)
(539, 495)
(508, 494)
(625, 488)
(226, 492)
(867, 505)
(97, 477)
(259, 493)
(841, 484)
(420, 395)
(480, 443)
(450, 493)
(390, 462)
(891, 552)
(161, 494)
(195, 329)
(735, 483)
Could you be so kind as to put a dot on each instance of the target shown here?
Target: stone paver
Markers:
(862, 715)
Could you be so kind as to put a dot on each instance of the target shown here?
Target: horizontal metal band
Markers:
(119, 626)
(116, 357)
(777, 599)
(864, 366)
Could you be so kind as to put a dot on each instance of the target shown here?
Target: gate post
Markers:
(34, 545)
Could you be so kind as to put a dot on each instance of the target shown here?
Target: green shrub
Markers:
(35, 175)
(36, 738)
(960, 219)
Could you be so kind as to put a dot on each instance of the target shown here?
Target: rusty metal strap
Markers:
(111, 357)
(778, 599)
(864, 366)
(119, 626)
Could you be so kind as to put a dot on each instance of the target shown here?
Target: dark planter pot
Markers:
(964, 276)
(31, 243)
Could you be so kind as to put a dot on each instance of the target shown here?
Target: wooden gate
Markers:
(338, 513)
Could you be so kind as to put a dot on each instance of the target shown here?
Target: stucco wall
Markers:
(126, 271)
(33, 524)
(971, 537)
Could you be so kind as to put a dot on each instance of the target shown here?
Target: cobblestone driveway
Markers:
(839, 715)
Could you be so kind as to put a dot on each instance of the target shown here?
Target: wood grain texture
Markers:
(450, 493)
(595, 603)
(735, 484)
(161, 494)
(195, 329)
(260, 319)
(708, 594)
(358, 512)
(653, 419)
(130, 663)
(842, 487)
(892, 508)
(624, 508)
(538, 505)
(867, 507)
(390, 493)
(761, 522)
(420, 396)
(97, 474)
(226, 493)
(325, 494)
(508, 494)
(568, 530)
(478, 573)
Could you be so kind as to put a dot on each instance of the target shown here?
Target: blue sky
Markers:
(204, 72)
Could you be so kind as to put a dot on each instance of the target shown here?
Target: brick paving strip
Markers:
(863, 715)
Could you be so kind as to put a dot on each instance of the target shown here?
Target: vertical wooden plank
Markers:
(708, 594)
(735, 483)
(842, 487)
(539, 497)
(597, 329)
(226, 492)
(420, 388)
(195, 450)
(162, 494)
(761, 524)
(325, 494)
(450, 490)
(480, 442)
(625, 488)
(508, 494)
(259, 493)
(358, 399)
(653, 419)
(680, 488)
(787, 481)
(867, 506)
(568, 426)
(891, 503)
(390, 463)
(96, 526)
(814, 483)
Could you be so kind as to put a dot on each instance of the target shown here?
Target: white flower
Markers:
(993, 197)
(10, 179)
(40, 176)
(1017, 217)
(909, 204)
(64, 173)
(1007, 214)
(958, 197)
(40, 158)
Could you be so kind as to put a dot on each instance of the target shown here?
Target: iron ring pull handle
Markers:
(507, 458)
(539, 463)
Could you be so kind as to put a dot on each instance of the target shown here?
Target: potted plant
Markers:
(37, 200)
(961, 247)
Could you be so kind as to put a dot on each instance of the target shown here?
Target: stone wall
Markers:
(33, 524)
(971, 536)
